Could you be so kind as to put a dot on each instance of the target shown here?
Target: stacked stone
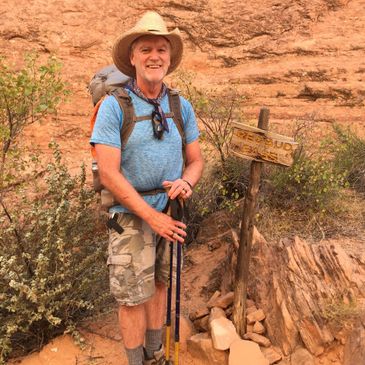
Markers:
(218, 342)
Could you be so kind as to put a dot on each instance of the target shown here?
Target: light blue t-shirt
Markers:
(146, 161)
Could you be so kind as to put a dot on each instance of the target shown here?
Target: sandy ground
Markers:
(102, 346)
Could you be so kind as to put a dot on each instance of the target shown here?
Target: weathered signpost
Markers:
(259, 145)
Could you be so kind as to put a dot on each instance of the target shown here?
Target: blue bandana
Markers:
(132, 86)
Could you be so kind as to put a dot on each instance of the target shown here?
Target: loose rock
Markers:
(258, 328)
(247, 353)
(223, 333)
(250, 310)
(223, 302)
(256, 316)
(201, 348)
(261, 340)
(213, 298)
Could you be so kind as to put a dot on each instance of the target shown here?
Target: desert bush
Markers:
(309, 184)
(52, 267)
(349, 156)
(28, 94)
(314, 181)
(312, 197)
(52, 270)
(215, 109)
(341, 313)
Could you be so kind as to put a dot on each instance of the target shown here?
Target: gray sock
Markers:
(135, 356)
(153, 342)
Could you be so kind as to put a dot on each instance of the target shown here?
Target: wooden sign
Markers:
(261, 145)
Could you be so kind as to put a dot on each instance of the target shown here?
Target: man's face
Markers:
(150, 55)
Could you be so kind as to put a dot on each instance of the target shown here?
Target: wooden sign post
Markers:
(259, 145)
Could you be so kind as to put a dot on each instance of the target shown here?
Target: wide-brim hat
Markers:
(151, 23)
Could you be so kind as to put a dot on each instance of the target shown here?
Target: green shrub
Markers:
(349, 157)
(312, 197)
(52, 264)
(308, 184)
(27, 95)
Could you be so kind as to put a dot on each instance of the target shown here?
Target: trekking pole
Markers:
(177, 212)
(169, 303)
(177, 304)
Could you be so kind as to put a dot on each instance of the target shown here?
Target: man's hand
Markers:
(178, 188)
(166, 227)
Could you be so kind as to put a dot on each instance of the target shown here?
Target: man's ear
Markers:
(131, 56)
(131, 59)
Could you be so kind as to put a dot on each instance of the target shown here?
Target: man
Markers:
(152, 159)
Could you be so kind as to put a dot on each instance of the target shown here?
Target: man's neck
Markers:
(150, 90)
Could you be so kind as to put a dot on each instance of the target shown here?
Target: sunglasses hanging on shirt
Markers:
(159, 122)
(158, 118)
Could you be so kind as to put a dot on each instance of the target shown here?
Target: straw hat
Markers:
(151, 23)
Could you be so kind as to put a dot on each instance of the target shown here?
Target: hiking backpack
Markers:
(110, 81)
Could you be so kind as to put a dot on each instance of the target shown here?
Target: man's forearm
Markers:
(193, 172)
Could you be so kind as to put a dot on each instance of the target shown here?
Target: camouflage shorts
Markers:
(137, 259)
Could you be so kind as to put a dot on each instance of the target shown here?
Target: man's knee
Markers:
(129, 309)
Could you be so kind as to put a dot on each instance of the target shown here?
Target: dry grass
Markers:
(341, 313)
(345, 217)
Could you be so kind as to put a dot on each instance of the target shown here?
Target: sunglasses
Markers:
(159, 122)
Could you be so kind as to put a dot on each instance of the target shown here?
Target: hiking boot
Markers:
(158, 358)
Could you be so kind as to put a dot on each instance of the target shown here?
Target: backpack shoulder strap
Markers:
(125, 103)
(175, 107)
(92, 123)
